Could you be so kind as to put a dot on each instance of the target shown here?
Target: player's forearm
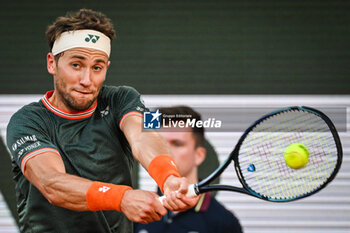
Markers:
(147, 146)
(80, 194)
(151, 150)
(76, 193)
(47, 173)
(66, 191)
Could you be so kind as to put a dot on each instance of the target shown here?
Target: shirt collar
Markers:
(78, 115)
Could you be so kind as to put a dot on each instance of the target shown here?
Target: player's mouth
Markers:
(84, 92)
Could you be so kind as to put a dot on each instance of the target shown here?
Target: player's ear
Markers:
(51, 63)
(200, 155)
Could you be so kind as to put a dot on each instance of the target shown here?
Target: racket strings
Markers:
(264, 148)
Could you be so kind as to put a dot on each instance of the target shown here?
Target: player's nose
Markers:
(85, 79)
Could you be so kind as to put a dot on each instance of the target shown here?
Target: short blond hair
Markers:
(82, 19)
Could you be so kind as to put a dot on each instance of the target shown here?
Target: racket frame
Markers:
(204, 185)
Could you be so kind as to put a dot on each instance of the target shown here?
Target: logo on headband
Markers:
(92, 38)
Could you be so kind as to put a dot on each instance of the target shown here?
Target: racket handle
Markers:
(190, 193)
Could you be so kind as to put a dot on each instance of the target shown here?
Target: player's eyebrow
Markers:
(100, 60)
(78, 57)
(84, 58)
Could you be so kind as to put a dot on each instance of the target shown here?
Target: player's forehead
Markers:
(85, 54)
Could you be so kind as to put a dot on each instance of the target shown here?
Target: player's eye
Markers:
(75, 65)
(97, 68)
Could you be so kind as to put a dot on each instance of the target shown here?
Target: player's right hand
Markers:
(175, 190)
(142, 206)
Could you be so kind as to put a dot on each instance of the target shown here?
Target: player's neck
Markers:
(57, 101)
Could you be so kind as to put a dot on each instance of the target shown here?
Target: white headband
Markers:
(82, 39)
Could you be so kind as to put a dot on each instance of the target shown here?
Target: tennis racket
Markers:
(258, 157)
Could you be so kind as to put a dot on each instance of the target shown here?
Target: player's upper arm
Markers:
(40, 169)
(132, 130)
(28, 135)
(146, 144)
(132, 127)
(31, 146)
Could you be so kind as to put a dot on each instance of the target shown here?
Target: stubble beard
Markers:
(71, 102)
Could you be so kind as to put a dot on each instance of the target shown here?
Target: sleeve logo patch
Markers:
(23, 140)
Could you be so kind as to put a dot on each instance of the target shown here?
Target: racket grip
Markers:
(190, 193)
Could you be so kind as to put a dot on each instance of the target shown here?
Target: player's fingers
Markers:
(155, 217)
(183, 187)
(159, 208)
(187, 202)
(150, 216)
(175, 201)
(168, 202)
(152, 209)
(190, 201)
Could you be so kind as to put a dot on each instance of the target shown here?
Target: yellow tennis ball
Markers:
(296, 155)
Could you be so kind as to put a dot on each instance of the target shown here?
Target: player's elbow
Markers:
(50, 192)
(136, 147)
(52, 200)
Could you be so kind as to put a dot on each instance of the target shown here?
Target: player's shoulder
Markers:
(118, 95)
(116, 90)
(30, 115)
(28, 111)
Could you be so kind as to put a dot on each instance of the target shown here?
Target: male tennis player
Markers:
(187, 147)
(72, 151)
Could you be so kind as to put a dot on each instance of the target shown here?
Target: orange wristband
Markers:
(161, 167)
(105, 196)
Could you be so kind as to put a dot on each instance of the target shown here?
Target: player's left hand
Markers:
(175, 189)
